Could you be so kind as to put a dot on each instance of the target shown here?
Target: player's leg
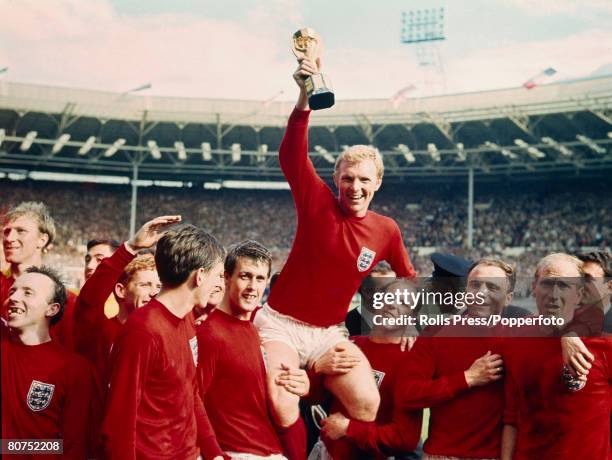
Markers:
(285, 405)
(356, 389)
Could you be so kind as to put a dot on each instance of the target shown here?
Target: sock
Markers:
(293, 440)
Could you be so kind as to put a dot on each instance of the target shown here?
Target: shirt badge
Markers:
(193, 346)
(39, 395)
(365, 259)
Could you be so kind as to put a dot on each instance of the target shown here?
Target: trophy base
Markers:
(319, 94)
(321, 100)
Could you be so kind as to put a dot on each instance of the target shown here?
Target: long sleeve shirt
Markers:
(94, 333)
(464, 421)
(553, 421)
(332, 251)
(46, 391)
(154, 410)
(232, 384)
(395, 430)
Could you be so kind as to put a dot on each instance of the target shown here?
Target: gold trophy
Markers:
(306, 44)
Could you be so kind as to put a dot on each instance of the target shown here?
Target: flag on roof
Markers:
(401, 95)
(539, 78)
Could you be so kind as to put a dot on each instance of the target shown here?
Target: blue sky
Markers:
(240, 48)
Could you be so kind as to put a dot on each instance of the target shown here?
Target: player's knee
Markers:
(366, 407)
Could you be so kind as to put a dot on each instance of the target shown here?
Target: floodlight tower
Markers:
(424, 28)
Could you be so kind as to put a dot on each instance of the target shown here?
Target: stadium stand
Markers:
(568, 216)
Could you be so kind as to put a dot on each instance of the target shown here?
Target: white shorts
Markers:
(246, 456)
(309, 342)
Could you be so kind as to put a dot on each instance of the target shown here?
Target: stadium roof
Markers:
(559, 129)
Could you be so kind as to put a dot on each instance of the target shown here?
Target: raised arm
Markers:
(89, 311)
(297, 167)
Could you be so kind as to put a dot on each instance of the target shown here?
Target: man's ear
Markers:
(336, 180)
(120, 291)
(198, 277)
(509, 297)
(43, 239)
(52, 310)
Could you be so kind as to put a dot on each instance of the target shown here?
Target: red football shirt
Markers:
(153, 408)
(552, 421)
(46, 392)
(232, 383)
(94, 333)
(464, 422)
(395, 430)
(332, 251)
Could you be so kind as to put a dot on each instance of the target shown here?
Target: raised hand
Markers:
(151, 232)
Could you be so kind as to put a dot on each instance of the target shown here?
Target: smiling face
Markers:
(29, 301)
(356, 183)
(208, 283)
(216, 296)
(490, 287)
(22, 241)
(143, 286)
(245, 286)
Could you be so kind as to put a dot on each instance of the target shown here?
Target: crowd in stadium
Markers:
(538, 221)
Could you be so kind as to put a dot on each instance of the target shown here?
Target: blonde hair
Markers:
(359, 153)
(551, 259)
(38, 211)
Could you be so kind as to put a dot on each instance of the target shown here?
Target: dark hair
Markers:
(114, 244)
(603, 258)
(59, 290)
(508, 269)
(251, 250)
(183, 250)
